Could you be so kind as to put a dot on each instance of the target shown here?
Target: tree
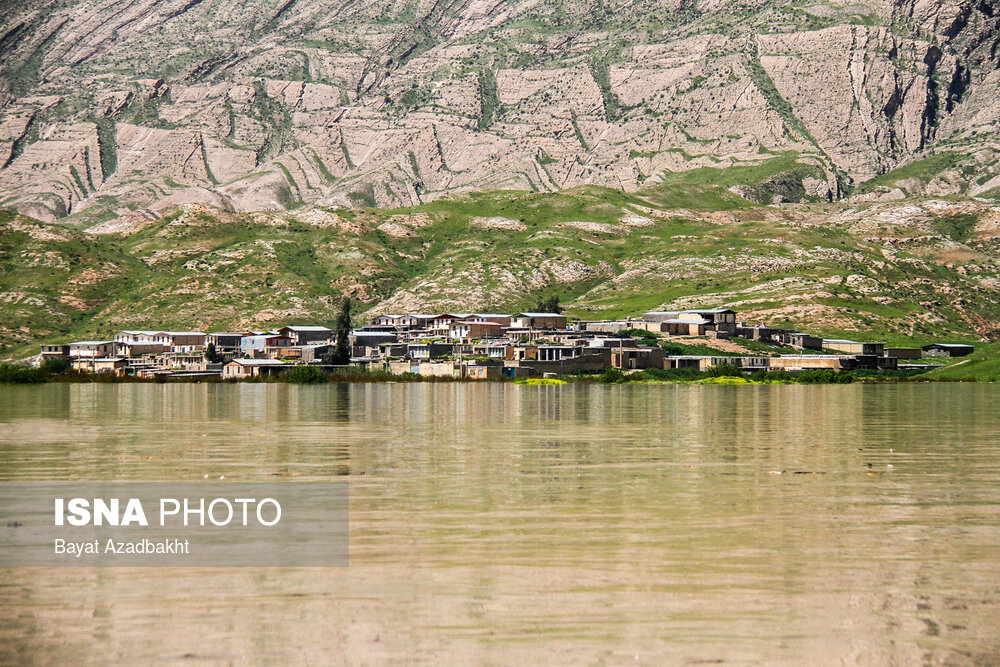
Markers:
(342, 349)
(548, 305)
(212, 356)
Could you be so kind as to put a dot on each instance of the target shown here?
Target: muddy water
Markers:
(565, 524)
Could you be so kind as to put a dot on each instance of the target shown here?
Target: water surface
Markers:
(577, 523)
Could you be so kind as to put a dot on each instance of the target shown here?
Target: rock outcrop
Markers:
(105, 110)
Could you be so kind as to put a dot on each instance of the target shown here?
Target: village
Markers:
(486, 346)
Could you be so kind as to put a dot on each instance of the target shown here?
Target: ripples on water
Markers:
(575, 523)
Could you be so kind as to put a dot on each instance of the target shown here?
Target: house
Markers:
(560, 360)
(181, 341)
(304, 353)
(704, 362)
(91, 349)
(614, 326)
(191, 361)
(387, 320)
(136, 336)
(422, 351)
(480, 371)
(947, 350)
(637, 357)
(138, 349)
(685, 326)
(722, 319)
(303, 335)
(694, 322)
(801, 362)
(245, 368)
(803, 341)
(256, 345)
(52, 352)
(757, 332)
(100, 365)
(538, 321)
(402, 322)
(904, 352)
(441, 324)
(854, 347)
(497, 318)
(224, 340)
(465, 329)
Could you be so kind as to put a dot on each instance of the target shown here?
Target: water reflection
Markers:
(574, 523)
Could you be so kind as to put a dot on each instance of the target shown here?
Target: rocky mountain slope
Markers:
(906, 272)
(118, 110)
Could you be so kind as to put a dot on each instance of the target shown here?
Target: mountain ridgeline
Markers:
(114, 110)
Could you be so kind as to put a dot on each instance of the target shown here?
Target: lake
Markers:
(496, 523)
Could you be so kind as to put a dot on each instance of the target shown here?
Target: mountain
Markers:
(905, 272)
(124, 109)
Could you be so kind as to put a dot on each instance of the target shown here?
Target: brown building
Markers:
(637, 357)
(854, 347)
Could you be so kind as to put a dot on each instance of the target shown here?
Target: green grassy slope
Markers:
(982, 365)
(902, 273)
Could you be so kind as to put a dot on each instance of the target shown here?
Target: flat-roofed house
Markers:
(244, 368)
(685, 326)
(181, 341)
(706, 319)
(138, 349)
(52, 352)
(387, 320)
(854, 347)
(637, 357)
(100, 365)
(723, 319)
(303, 335)
(800, 340)
(224, 341)
(498, 318)
(660, 315)
(538, 321)
(257, 344)
(136, 336)
(947, 350)
(466, 329)
(904, 352)
(91, 349)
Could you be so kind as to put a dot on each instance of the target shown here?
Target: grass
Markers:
(225, 270)
(982, 365)
(921, 170)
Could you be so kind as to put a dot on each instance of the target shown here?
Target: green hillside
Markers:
(905, 272)
(982, 365)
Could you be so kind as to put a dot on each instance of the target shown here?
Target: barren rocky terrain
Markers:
(117, 111)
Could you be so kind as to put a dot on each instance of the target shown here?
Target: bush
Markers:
(20, 374)
(305, 375)
(613, 376)
(825, 376)
(55, 366)
(637, 333)
(724, 370)
(772, 376)
(670, 374)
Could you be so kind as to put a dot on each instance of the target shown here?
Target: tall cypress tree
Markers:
(342, 349)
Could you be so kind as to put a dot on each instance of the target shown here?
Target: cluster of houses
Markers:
(479, 346)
